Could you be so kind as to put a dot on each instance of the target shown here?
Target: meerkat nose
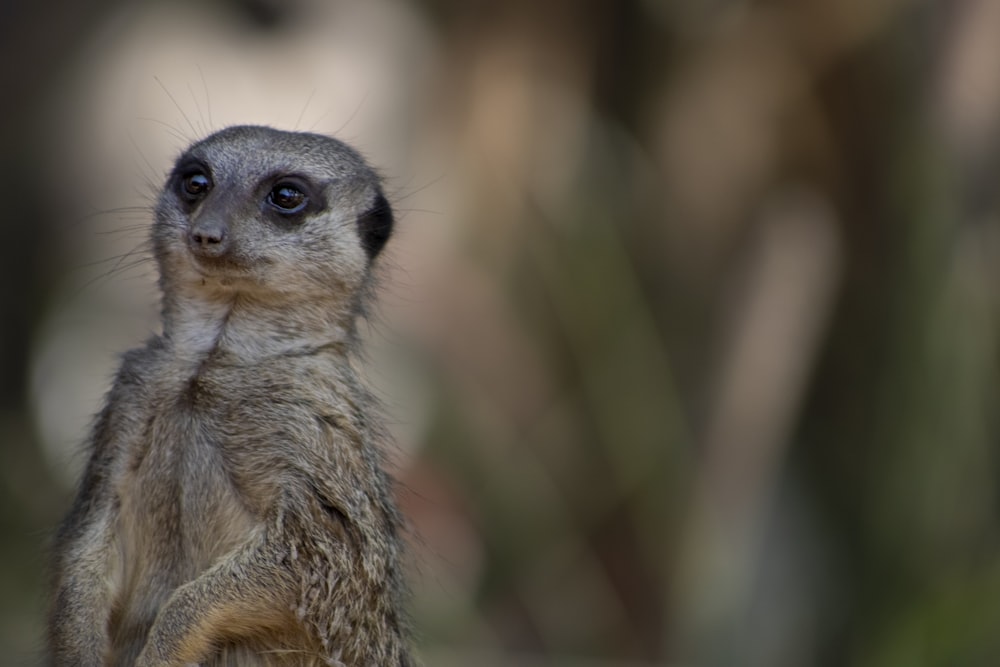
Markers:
(208, 237)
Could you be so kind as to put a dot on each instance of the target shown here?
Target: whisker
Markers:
(399, 196)
(142, 156)
(304, 108)
(118, 259)
(357, 109)
(120, 267)
(176, 105)
(174, 132)
(197, 106)
(208, 97)
(128, 229)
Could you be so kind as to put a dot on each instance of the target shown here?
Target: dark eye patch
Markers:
(375, 226)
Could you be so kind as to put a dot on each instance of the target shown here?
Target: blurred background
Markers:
(689, 332)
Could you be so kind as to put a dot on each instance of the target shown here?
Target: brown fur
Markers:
(234, 510)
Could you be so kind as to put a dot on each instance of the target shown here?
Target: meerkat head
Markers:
(269, 214)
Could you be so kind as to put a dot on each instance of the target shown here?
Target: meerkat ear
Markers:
(375, 226)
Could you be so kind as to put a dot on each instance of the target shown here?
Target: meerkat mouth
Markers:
(230, 276)
(220, 272)
(229, 265)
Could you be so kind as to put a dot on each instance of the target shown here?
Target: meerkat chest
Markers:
(220, 445)
(178, 503)
(187, 489)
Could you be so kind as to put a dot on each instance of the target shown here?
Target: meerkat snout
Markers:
(208, 237)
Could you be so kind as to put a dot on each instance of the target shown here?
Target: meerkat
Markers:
(235, 509)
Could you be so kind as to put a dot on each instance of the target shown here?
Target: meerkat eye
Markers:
(195, 185)
(287, 198)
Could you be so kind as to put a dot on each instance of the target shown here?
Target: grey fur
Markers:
(234, 510)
